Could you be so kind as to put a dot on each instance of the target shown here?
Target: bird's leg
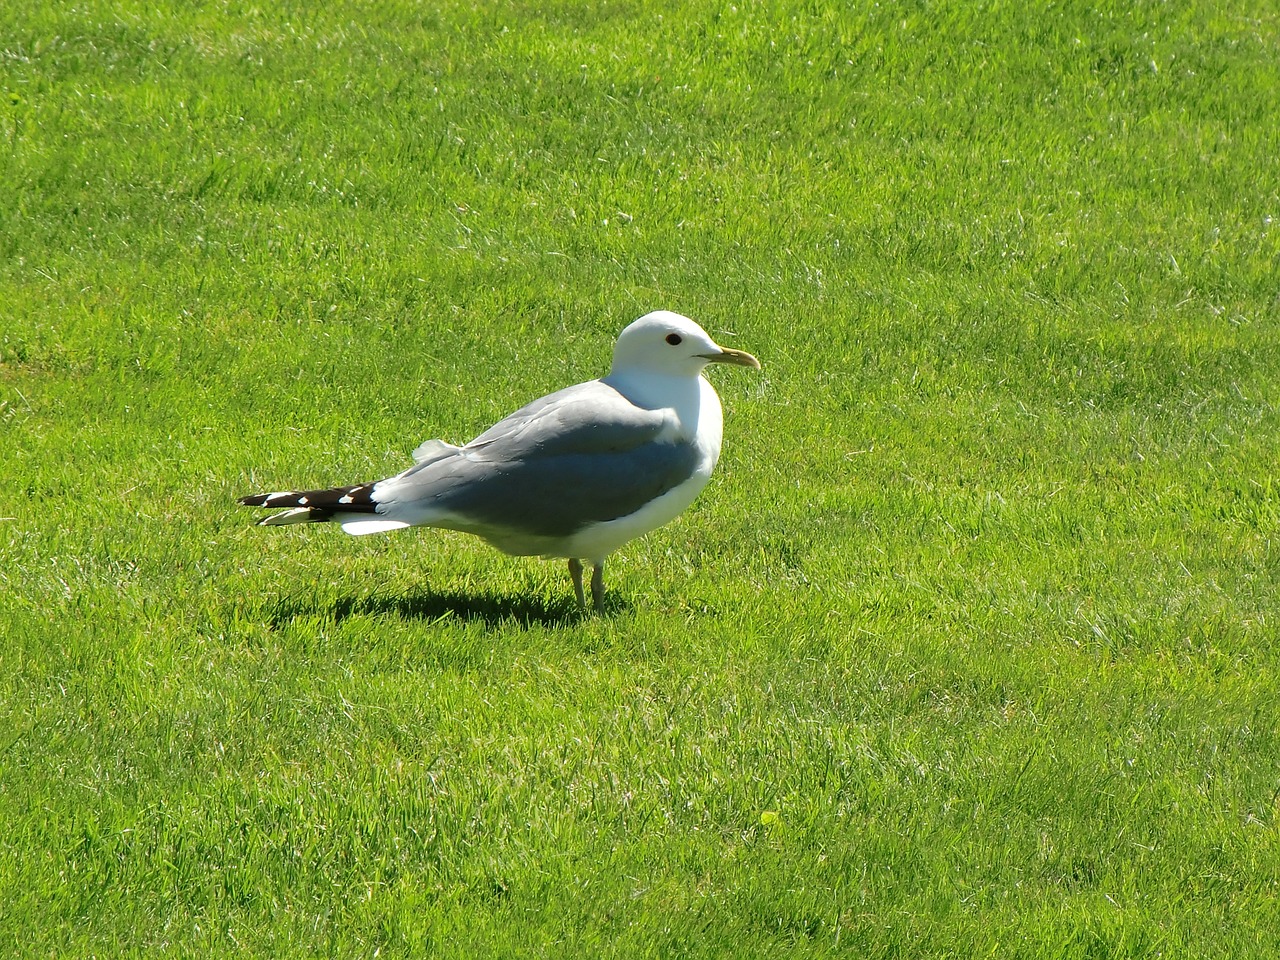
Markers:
(597, 586)
(575, 571)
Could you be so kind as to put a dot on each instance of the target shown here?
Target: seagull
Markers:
(574, 475)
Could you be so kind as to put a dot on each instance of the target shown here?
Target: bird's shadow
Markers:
(490, 608)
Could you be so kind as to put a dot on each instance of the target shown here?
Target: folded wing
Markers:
(579, 456)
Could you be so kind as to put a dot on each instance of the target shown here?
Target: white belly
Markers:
(598, 540)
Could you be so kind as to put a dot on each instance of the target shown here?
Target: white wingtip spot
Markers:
(346, 498)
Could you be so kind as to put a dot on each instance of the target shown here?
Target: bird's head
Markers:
(666, 342)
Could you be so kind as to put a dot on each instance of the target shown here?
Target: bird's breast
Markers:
(709, 424)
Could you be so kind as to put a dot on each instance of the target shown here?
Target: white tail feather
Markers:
(296, 515)
(360, 528)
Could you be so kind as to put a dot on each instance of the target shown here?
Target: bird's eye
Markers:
(674, 339)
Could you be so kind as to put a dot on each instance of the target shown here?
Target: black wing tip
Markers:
(283, 499)
(356, 499)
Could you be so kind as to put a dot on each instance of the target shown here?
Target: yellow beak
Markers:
(739, 358)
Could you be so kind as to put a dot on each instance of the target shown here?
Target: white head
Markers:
(665, 342)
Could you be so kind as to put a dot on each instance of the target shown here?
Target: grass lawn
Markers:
(970, 647)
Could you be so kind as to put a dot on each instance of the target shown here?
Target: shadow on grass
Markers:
(492, 609)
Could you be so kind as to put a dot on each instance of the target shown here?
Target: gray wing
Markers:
(591, 417)
(581, 455)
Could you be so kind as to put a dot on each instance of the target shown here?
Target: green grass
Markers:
(969, 647)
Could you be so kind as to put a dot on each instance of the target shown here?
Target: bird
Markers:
(573, 475)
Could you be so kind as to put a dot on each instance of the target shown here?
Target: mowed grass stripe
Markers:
(966, 650)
